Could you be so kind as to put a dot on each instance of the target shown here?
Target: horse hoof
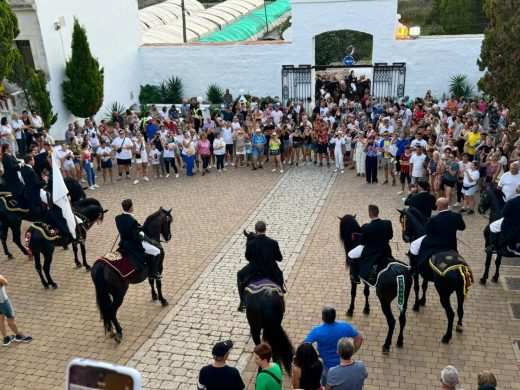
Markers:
(112, 334)
(65, 247)
(422, 302)
(482, 281)
(54, 286)
(164, 303)
(386, 350)
(117, 338)
(400, 343)
(459, 328)
(87, 267)
(415, 307)
(494, 279)
(10, 257)
(366, 310)
(446, 339)
(46, 286)
(78, 265)
(154, 297)
(350, 312)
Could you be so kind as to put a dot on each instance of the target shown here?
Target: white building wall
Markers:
(114, 38)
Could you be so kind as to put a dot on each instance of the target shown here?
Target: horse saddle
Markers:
(369, 270)
(443, 262)
(263, 284)
(120, 262)
(49, 232)
(11, 203)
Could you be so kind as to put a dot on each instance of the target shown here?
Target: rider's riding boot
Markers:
(493, 241)
(241, 306)
(153, 272)
(354, 266)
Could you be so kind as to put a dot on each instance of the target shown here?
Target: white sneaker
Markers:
(95, 186)
(225, 164)
(273, 170)
(155, 177)
(176, 175)
(400, 192)
(281, 170)
(83, 181)
(225, 169)
(167, 175)
(92, 188)
(232, 164)
(335, 170)
(146, 178)
(219, 170)
(456, 204)
(136, 182)
(342, 171)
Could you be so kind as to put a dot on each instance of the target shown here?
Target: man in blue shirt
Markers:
(151, 128)
(326, 337)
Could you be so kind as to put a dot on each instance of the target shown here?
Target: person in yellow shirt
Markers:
(472, 138)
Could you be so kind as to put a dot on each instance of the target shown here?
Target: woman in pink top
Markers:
(87, 166)
(203, 149)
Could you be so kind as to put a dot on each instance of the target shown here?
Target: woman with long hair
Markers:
(306, 368)
(86, 164)
(141, 158)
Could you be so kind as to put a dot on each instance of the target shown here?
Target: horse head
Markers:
(412, 223)
(493, 199)
(166, 224)
(249, 235)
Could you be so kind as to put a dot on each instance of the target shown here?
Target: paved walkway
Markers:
(206, 313)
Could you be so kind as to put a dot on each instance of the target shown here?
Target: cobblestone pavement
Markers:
(206, 250)
(207, 313)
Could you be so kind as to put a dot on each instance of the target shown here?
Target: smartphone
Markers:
(86, 374)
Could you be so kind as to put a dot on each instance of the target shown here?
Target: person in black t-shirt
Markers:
(218, 375)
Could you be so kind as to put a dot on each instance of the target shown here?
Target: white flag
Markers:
(59, 195)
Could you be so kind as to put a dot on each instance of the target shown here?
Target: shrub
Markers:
(215, 94)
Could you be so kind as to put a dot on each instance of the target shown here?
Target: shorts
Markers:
(405, 177)
(126, 161)
(6, 309)
(249, 155)
(229, 149)
(257, 152)
(296, 145)
(470, 191)
(307, 146)
(323, 148)
(69, 167)
(347, 153)
(240, 152)
(76, 160)
(314, 146)
(416, 179)
(287, 144)
(448, 182)
(274, 152)
(386, 162)
(106, 164)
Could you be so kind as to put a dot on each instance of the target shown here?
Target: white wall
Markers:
(114, 38)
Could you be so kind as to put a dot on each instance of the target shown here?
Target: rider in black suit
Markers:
(263, 253)
(441, 231)
(423, 201)
(11, 169)
(375, 237)
(131, 241)
(33, 185)
(510, 228)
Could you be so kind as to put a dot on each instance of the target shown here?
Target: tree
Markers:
(459, 16)
(8, 32)
(83, 88)
(500, 54)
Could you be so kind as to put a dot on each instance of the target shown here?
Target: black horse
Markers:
(394, 281)
(493, 200)
(111, 288)
(12, 219)
(412, 223)
(265, 308)
(89, 211)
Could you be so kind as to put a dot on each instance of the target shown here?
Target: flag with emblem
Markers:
(59, 195)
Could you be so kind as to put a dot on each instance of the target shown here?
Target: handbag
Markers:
(120, 149)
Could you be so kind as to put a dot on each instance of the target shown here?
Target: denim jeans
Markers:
(220, 161)
(89, 171)
(189, 161)
(205, 161)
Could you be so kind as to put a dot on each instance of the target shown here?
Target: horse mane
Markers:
(151, 217)
(347, 226)
(87, 202)
(497, 198)
(416, 220)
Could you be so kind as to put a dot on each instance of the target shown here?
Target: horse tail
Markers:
(102, 296)
(283, 350)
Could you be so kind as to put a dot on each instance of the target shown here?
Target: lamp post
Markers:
(184, 39)
(266, 24)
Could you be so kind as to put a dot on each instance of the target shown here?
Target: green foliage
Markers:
(83, 88)
(142, 109)
(8, 32)
(459, 16)
(331, 47)
(19, 75)
(169, 91)
(215, 94)
(459, 86)
(115, 107)
(40, 97)
(500, 54)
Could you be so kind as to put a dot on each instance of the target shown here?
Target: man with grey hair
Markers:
(349, 374)
(449, 378)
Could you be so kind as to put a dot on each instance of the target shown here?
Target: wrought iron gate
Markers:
(296, 83)
(388, 81)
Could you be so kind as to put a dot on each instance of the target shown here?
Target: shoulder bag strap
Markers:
(272, 375)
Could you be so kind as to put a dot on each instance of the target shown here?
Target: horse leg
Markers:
(353, 292)
(84, 255)
(117, 301)
(154, 294)
(444, 295)
(498, 262)
(17, 231)
(416, 290)
(76, 259)
(422, 301)
(47, 256)
(460, 306)
(38, 266)
(163, 301)
(390, 320)
(3, 237)
(487, 264)
(366, 291)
